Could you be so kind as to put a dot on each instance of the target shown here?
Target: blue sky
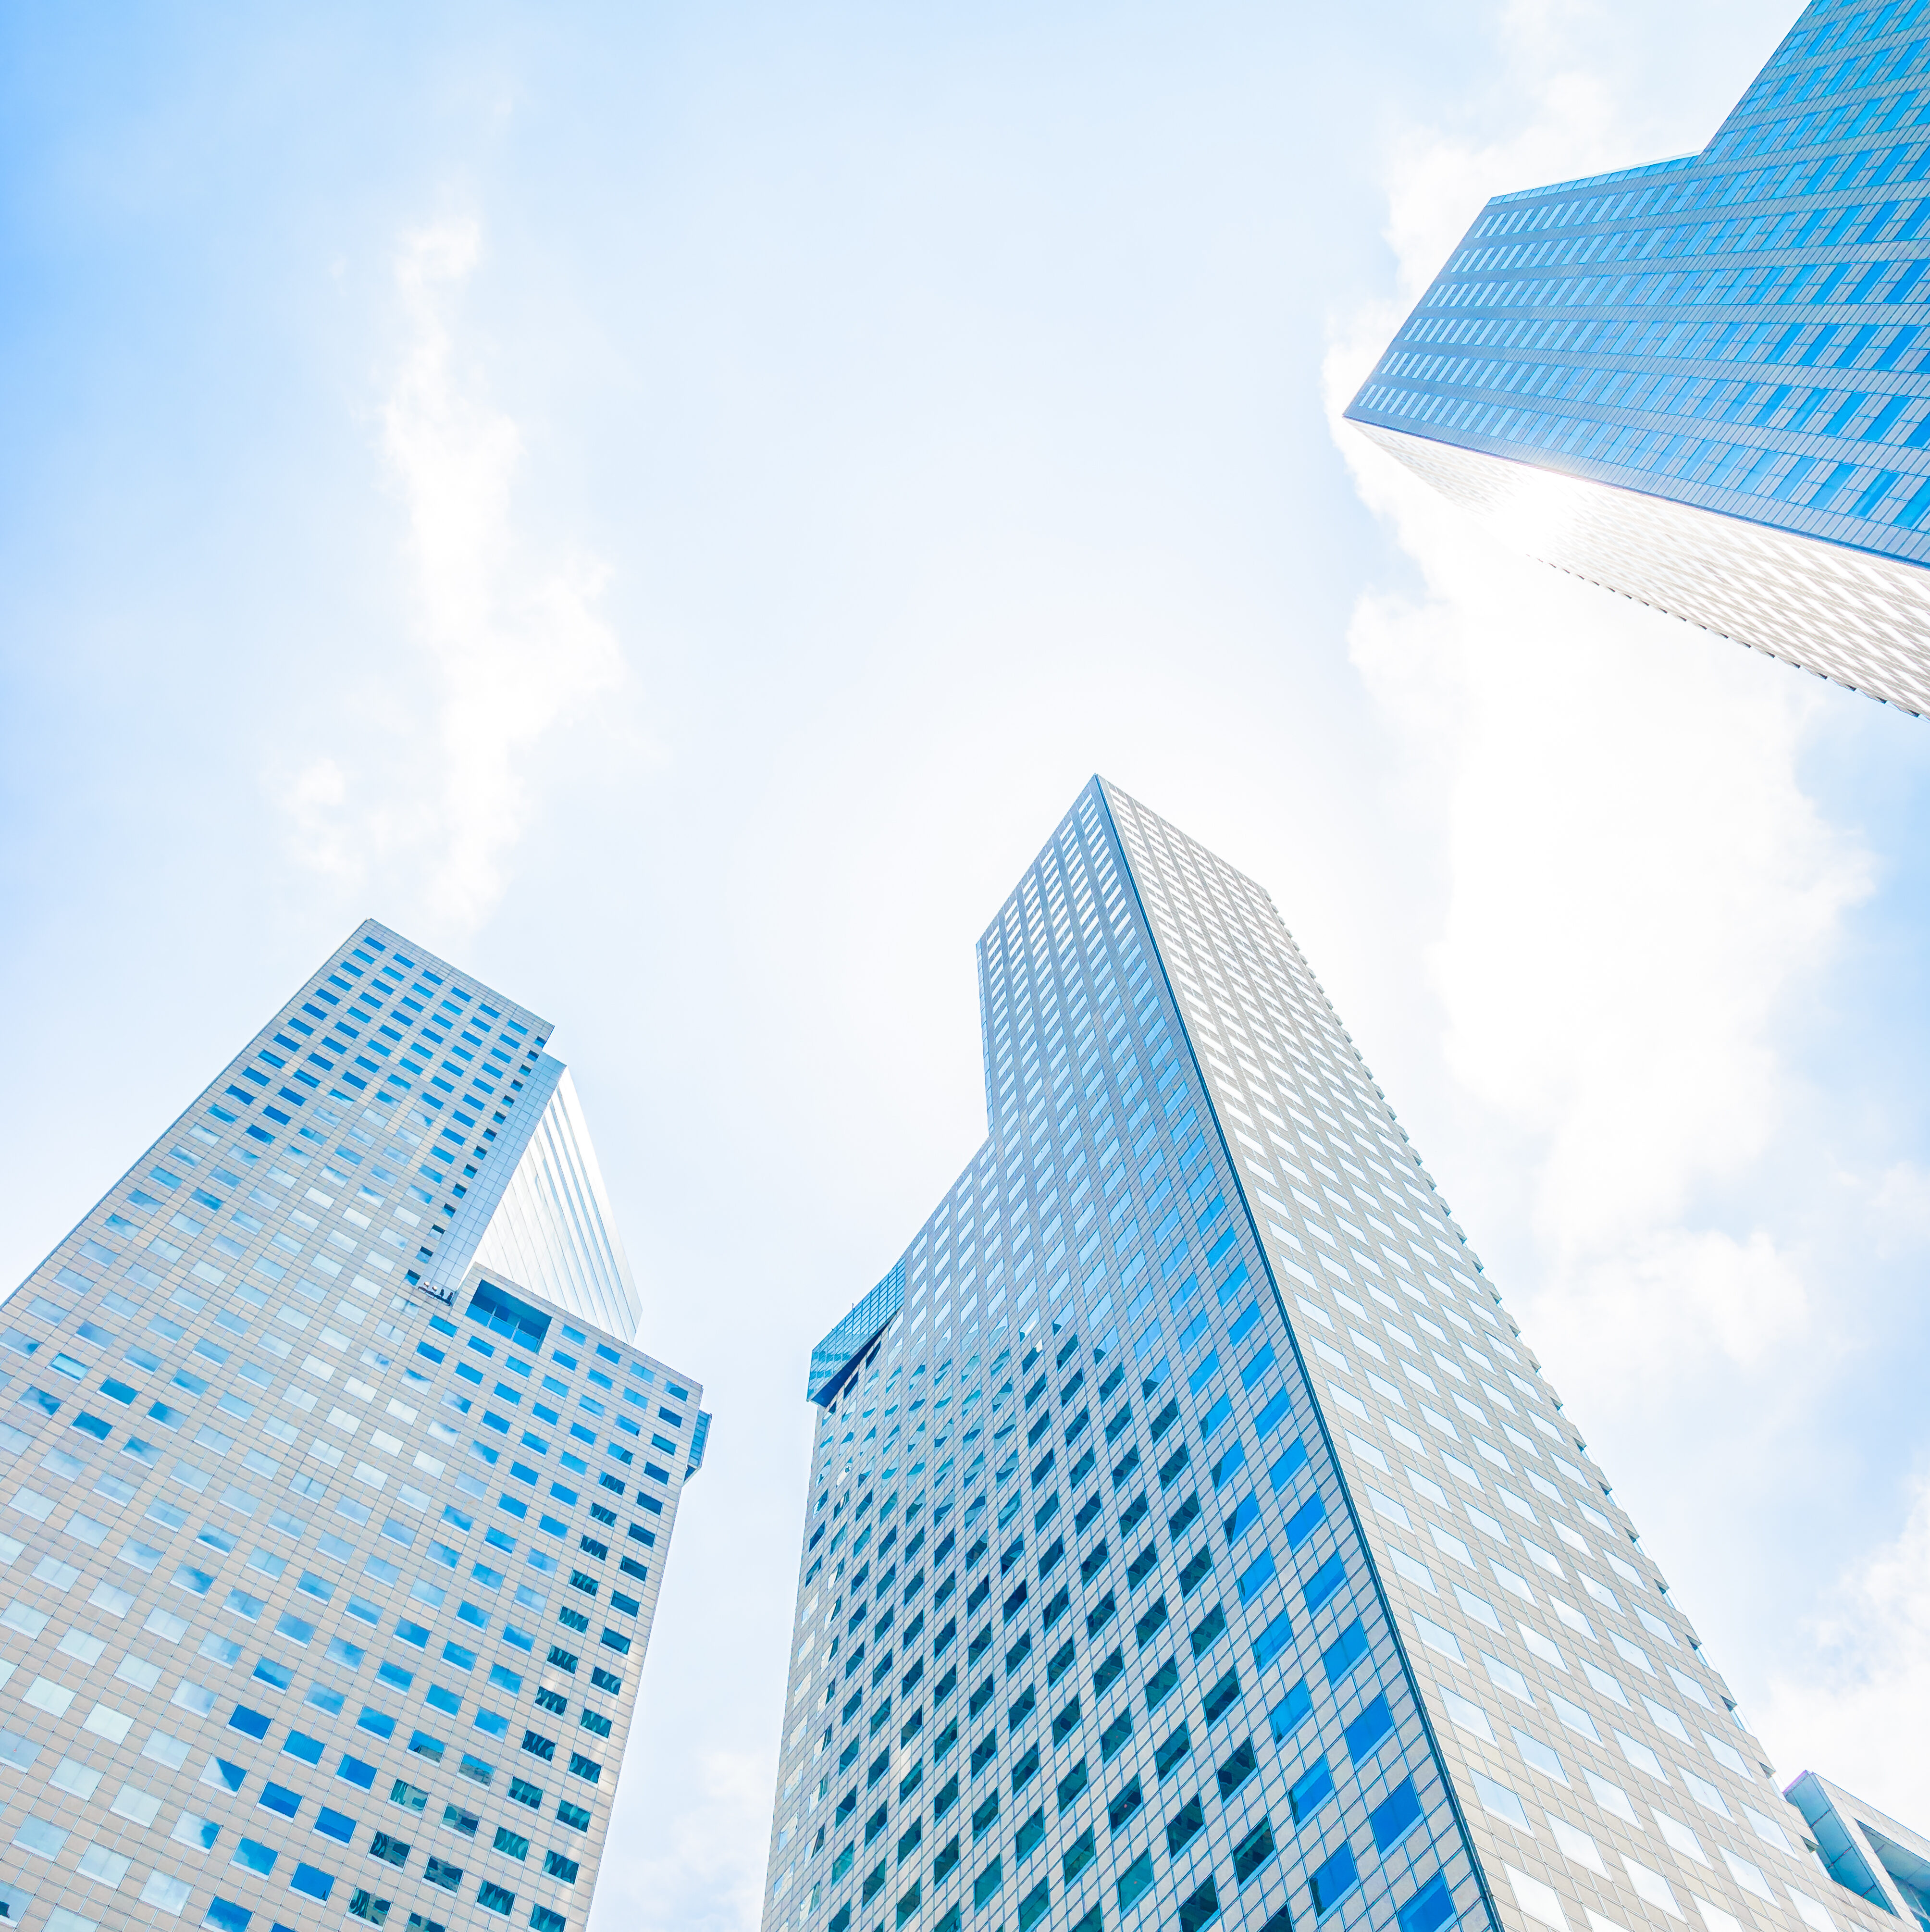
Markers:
(668, 505)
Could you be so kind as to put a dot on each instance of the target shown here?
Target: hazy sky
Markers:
(668, 505)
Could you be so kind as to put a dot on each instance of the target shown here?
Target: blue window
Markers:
(1368, 1729)
(1305, 1520)
(225, 1916)
(307, 1749)
(1256, 1576)
(278, 1798)
(251, 1723)
(355, 1772)
(1273, 1640)
(1395, 1816)
(253, 1857)
(315, 1884)
(1345, 1651)
(1291, 1712)
(1335, 1880)
(1325, 1581)
(1234, 1456)
(1289, 1463)
(335, 1825)
(1429, 1909)
(1311, 1790)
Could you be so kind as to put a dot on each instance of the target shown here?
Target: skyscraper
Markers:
(337, 1495)
(1701, 383)
(1192, 1537)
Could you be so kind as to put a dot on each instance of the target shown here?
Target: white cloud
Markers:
(1860, 1714)
(1637, 883)
(511, 631)
(1670, 1294)
(704, 1872)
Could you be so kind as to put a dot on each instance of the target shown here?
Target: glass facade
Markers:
(330, 1550)
(1192, 1538)
(1740, 333)
(552, 1228)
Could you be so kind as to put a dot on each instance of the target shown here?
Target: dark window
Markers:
(1252, 1851)
(1134, 1880)
(1201, 1909)
(1223, 1697)
(1183, 1826)
(1238, 1768)
(1078, 1855)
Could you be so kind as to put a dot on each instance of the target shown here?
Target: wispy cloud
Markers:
(1858, 1718)
(510, 628)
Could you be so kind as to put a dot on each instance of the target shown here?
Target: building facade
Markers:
(1192, 1539)
(1701, 383)
(331, 1546)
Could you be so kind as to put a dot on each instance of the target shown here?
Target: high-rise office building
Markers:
(1191, 1537)
(1701, 383)
(337, 1494)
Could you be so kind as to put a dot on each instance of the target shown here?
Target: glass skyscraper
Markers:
(1192, 1539)
(337, 1494)
(1702, 382)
